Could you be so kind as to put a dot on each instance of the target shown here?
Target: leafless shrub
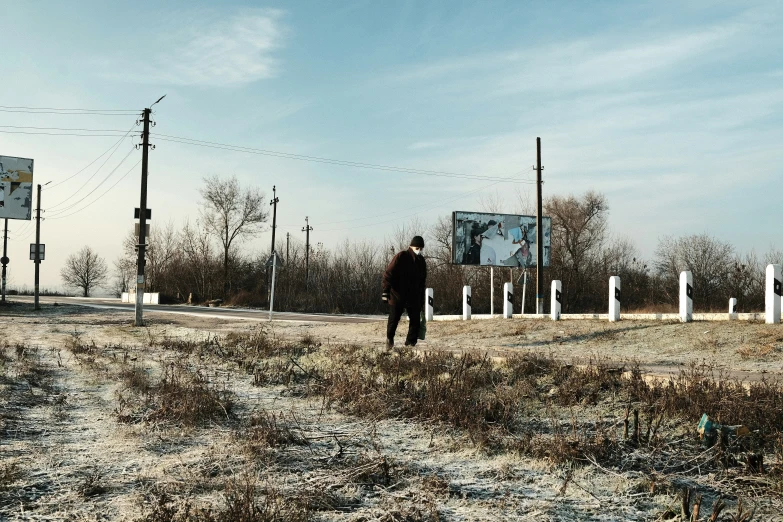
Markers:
(10, 472)
(267, 430)
(180, 396)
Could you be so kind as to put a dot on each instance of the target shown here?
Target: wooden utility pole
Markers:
(539, 235)
(307, 228)
(37, 305)
(287, 245)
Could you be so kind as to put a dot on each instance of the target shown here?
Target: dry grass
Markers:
(748, 351)
(180, 396)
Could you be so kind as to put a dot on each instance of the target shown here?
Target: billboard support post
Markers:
(492, 291)
(5, 255)
(539, 239)
(524, 289)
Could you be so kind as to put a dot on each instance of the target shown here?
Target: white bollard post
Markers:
(686, 297)
(733, 308)
(773, 294)
(557, 286)
(614, 298)
(508, 302)
(429, 304)
(466, 303)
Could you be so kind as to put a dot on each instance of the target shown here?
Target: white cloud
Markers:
(232, 51)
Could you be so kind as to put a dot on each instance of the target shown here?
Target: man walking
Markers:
(404, 282)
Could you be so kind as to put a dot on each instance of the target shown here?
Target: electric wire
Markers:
(59, 128)
(364, 218)
(102, 194)
(42, 133)
(93, 161)
(67, 111)
(330, 161)
(443, 204)
(65, 209)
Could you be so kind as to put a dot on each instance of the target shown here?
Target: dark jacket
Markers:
(405, 279)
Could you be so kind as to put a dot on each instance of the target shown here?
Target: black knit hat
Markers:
(417, 242)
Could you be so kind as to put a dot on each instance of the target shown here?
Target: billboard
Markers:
(16, 188)
(498, 239)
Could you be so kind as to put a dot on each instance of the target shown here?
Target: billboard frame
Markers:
(502, 218)
(11, 164)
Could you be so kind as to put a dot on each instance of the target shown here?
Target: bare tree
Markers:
(85, 269)
(124, 272)
(231, 213)
(712, 263)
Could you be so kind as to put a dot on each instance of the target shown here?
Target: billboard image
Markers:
(16, 187)
(498, 239)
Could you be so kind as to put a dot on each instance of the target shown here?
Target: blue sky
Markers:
(672, 109)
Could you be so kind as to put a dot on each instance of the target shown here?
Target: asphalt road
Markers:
(203, 311)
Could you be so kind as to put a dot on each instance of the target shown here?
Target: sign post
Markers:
(273, 262)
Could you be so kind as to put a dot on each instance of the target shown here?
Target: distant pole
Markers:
(274, 201)
(5, 255)
(287, 245)
(307, 228)
(539, 235)
(37, 305)
(140, 262)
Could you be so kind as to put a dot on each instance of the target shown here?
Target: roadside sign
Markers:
(271, 261)
(136, 229)
(137, 213)
(41, 252)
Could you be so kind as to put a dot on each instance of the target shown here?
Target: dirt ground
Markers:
(65, 456)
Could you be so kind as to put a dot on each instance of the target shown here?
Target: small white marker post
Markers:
(429, 304)
(508, 302)
(466, 305)
(614, 298)
(557, 287)
(733, 308)
(686, 297)
(773, 294)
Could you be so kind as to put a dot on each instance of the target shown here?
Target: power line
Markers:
(59, 128)
(67, 111)
(60, 211)
(40, 133)
(115, 147)
(529, 169)
(93, 161)
(443, 204)
(330, 161)
(103, 194)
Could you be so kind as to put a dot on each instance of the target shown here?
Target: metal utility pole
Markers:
(274, 201)
(141, 283)
(539, 235)
(37, 305)
(4, 259)
(307, 228)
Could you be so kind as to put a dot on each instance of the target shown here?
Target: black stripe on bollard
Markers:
(468, 296)
(617, 294)
(558, 296)
(429, 300)
(776, 286)
(689, 291)
(510, 296)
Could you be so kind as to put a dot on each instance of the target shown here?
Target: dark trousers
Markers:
(395, 312)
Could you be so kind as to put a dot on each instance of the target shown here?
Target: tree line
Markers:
(204, 260)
